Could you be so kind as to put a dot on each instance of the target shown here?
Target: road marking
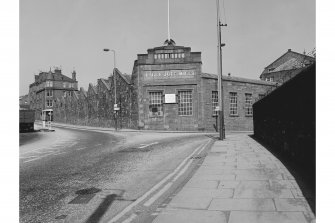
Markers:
(154, 143)
(27, 157)
(128, 220)
(57, 153)
(182, 171)
(158, 194)
(81, 148)
(144, 196)
(27, 161)
(98, 144)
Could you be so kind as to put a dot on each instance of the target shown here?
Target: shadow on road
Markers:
(304, 176)
(100, 211)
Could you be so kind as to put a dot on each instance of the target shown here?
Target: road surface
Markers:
(89, 176)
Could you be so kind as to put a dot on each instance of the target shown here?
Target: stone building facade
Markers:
(95, 107)
(171, 93)
(286, 66)
(166, 91)
(48, 87)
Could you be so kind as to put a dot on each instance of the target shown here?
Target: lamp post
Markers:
(219, 61)
(115, 104)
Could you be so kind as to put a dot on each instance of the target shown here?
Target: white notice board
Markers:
(170, 98)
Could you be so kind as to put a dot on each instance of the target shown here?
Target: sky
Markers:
(72, 34)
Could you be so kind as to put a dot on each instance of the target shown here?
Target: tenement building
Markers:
(170, 92)
(287, 66)
(48, 87)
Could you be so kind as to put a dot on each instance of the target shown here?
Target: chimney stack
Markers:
(289, 50)
(74, 76)
(228, 74)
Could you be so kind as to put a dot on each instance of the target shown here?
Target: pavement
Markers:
(239, 181)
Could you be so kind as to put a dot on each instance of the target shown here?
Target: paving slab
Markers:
(206, 184)
(239, 181)
(190, 216)
(190, 202)
(212, 193)
(230, 204)
(266, 217)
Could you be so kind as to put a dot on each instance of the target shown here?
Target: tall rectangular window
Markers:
(215, 103)
(248, 104)
(49, 93)
(49, 103)
(233, 103)
(156, 103)
(185, 105)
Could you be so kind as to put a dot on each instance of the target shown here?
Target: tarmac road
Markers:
(85, 176)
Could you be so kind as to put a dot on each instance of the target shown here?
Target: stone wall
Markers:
(285, 120)
(241, 121)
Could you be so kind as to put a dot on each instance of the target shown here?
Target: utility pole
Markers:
(219, 61)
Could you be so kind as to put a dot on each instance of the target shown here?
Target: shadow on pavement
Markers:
(304, 176)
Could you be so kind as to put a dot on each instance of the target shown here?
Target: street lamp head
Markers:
(106, 50)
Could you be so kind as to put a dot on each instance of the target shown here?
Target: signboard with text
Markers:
(168, 75)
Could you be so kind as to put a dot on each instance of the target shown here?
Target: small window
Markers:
(260, 96)
(182, 55)
(185, 104)
(64, 85)
(215, 103)
(233, 103)
(49, 83)
(248, 104)
(155, 56)
(49, 103)
(172, 56)
(49, 93)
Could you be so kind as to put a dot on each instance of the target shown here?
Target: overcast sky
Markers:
(72, 33)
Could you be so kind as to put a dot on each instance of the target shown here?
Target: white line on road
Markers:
(158, 194)
(128, 220)
(81, 148)
(98, 144)
(144, 196)
(57, 153)
(154, 143)
(27, 161)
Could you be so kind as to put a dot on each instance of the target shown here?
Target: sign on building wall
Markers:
(170, 98)
(168, 74)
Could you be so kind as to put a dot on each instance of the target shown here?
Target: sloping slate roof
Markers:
(237, 79)
(53, 76)
(296, 61)
(105, 83)
(126, 77)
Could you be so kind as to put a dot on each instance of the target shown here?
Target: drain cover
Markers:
(82, 199)
(91, 190)
(84, 195)
(63, 216)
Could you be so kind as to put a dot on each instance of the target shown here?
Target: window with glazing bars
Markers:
(248, 104)
(49, 103)
(233, 103)
(185, 103)
(155, 107)
(49, 93)
(215, 102)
